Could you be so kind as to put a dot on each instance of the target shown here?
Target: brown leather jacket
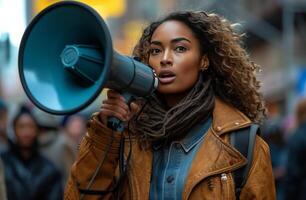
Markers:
(215, 157)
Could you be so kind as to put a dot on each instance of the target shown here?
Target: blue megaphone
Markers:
(66, 58)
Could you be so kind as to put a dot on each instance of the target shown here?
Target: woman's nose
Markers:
(165, 62)
(166, 59)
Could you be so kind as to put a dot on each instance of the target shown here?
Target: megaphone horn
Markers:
(66, 58)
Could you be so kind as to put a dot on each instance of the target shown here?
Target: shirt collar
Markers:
(195, 135)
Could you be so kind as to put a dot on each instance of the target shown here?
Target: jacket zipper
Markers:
(225, 181)
(224, 186)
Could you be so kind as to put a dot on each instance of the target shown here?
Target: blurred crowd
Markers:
(286, 138)
(37, 151)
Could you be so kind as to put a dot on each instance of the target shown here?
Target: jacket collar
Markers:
(227, 118)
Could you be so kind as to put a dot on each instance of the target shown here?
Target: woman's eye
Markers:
(154, 51)
(180, 49)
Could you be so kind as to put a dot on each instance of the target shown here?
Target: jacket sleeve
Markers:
(260, 183)
(98, 144)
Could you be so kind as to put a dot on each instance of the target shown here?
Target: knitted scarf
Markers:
(157, 122)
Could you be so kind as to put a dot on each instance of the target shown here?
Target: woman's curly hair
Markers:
(232, 72)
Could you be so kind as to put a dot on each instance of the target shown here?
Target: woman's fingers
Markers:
(117, 102)
(135, 107)
(117, 110)
(115, 106)
(106, 113)
(112, 94)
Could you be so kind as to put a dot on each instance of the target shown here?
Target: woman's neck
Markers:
(174, 99)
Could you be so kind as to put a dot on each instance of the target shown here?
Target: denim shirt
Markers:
(171, 164)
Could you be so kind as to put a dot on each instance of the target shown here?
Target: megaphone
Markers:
(66, 58)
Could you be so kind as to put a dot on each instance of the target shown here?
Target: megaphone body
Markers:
(66, 58)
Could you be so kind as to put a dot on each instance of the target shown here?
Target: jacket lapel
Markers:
(215, 155)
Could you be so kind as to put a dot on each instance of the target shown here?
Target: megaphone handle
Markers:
(113, 122)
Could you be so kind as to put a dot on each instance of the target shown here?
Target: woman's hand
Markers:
(115, 106)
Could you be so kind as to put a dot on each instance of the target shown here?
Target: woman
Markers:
(179, 148)
(28, 175)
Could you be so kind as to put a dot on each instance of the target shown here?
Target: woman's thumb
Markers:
(134, 107)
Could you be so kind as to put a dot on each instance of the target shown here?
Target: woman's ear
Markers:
(204, 63)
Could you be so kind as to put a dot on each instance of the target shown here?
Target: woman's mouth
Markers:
(166, 77)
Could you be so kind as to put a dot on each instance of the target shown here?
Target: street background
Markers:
(275, 39)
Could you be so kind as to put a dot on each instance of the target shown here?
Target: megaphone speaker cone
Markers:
(55, 47)
(83, 61)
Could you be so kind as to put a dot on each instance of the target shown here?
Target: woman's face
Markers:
(26, 131)
(175, 56)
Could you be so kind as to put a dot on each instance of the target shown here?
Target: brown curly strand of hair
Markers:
(232, 72)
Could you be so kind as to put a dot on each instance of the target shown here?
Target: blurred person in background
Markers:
(179, 147)
(28, 174)
(2, 182)
(3, 125)
(273, 134)
(59, 142)
(73, 129)
(48, 139)
(295, 182)
(3, 145)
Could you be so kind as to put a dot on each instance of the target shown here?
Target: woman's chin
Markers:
(169, 90)
(166, 90)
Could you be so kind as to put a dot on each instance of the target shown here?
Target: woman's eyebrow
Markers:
(172, 41)
(156, 42)
(180, 39)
